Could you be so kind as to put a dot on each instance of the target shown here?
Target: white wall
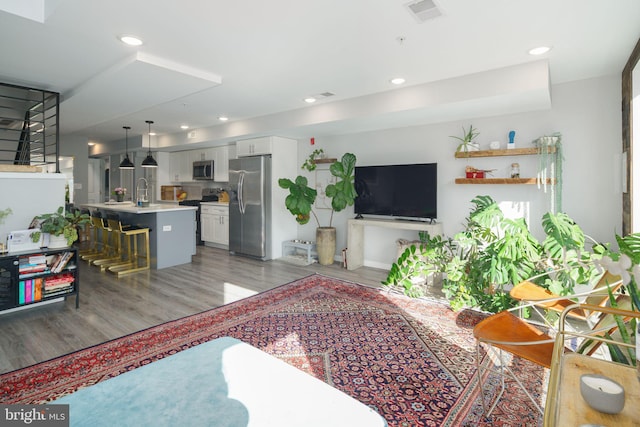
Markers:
(28, 195)
(586, 113)
(77, 148)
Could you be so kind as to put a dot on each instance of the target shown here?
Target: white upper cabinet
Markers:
(254, 147)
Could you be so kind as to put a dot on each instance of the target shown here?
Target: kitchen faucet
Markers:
(142, 196)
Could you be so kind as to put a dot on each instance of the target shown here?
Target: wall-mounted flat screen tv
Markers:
(406, 191)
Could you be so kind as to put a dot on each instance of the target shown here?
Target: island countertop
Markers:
(172, 229)
(130, 207)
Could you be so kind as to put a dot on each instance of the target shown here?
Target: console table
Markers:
(355, 235)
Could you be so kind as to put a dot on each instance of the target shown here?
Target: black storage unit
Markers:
(30, 278)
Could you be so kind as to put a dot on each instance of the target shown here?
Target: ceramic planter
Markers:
(326, 244)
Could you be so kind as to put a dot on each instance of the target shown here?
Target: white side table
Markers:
(291, 251)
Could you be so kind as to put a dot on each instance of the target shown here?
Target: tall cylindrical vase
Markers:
(326, 244)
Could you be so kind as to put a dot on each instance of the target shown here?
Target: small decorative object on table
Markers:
(512, 142)
(119, 192)
(472, 172)
(515, 170)
(602, 393)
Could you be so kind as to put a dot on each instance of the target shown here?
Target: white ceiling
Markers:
(254, 61)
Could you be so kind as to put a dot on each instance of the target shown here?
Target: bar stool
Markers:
(131, 260)
(100, 247)
(114, 253)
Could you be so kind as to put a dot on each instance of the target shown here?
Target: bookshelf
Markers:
(31, 278)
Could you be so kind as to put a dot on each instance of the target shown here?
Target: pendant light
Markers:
(126, 163)
(149, 161)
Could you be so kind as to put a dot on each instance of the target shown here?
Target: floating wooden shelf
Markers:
(497, 153)
(20, 168)
(500, 181)
(320, 161)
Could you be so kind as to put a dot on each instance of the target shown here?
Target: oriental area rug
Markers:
(411, 360)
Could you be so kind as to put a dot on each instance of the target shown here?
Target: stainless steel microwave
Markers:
(203, 170)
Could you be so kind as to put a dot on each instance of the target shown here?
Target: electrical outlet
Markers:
(166, 228)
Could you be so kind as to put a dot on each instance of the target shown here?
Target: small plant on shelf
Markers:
(467, 141)
(310, 163)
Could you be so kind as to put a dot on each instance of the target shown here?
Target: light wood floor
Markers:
(112, 307)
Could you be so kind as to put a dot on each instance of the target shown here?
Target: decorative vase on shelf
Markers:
(120, 197)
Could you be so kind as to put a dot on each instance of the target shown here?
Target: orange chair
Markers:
(505, 332)
(540, 298)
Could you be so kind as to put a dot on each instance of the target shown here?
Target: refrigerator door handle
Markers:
(240, 191)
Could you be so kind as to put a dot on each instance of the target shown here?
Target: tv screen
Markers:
(397, 190)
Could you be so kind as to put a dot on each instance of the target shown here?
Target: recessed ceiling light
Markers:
(397, 80)
(223, 118)
(540, 50)
(152, 133)
(91, 144)
(184, 127)
(310, 100)
(131, 40)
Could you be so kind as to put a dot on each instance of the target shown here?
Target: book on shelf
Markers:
(48, 290)
(32, 264)
(62, 279)
(28, 290)
(59, 292)
(37, 259)
(37, 289)
(21, 292)
(61, 261)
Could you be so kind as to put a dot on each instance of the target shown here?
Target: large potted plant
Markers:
(62, 227)
(342, 194)
(494, 252)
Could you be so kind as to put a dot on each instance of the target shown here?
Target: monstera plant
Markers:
(494, 252)
(342, 194)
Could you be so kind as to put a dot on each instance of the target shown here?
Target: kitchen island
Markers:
(172, 229)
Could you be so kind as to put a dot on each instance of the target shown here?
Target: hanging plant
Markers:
(550, 168)
(310, 163)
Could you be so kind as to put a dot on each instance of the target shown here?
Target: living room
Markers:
(584, 110)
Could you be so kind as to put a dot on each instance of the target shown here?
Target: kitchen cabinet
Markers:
(254, 146)
(221, 156)
(181, 163)
(180, 167)
(214, 223)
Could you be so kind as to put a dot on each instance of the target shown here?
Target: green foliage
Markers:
(428, 258)
(468, 136)
(343, 193)
(5, 213)
(310, 164)
(492, 253)
(300, 199)
(60, 223)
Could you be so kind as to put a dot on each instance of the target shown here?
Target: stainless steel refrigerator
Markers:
(250, 206)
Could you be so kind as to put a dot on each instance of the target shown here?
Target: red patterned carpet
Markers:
(411, 360)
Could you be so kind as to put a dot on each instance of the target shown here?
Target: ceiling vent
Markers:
(423, 10)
